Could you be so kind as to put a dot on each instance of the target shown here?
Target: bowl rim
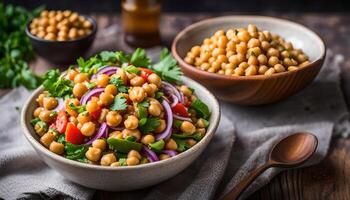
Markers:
(92, 33)
(246, 78)
(204, 141)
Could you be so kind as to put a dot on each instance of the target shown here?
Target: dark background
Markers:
(253, 6)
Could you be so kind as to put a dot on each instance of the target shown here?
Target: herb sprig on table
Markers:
(15, 48)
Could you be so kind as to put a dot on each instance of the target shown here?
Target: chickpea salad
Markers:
(119, 110)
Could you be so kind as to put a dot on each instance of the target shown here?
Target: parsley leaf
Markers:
(201, 109)
(79, 109)
(144, 103)
(117, 81)
(139, 58)
(57, 85)
(167, 67)
(147, 125)
(75, 152)
(131, 69)
(181, 144)
(90, 85)
(157, 146)
(119, 103)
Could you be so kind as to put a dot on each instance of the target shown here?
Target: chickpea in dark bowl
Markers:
(61, 36)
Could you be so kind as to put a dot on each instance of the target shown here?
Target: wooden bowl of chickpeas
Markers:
(61, 36)
(250, 60)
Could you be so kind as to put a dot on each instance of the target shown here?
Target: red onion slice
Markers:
(60, 105)
(171, 153)
(175, 100)
(91, 93)
(169, 122)
(170, 89)
(152, 157)
(182, 118)
(102, 132)
(108, 70)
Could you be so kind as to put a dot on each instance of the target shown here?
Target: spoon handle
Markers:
(241, 186)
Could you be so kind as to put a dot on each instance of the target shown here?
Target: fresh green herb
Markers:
(108, 56)
(62, 139)
(15, 48)
(141, 112)
(205, 122)
(55, 132)
(131, 138)
(122, 155)
(75, 152)
(167, 67)
(34, 121)
(119, 103)
(117, 81)
(78, 109)
(57, 85)
(123, 146)
(122, 162)
(196, 136)
(53, 114)
(144, 160)
(157, 146)
(201, 109)
(159, 96)
(177, 123)
(131, 69)
(181, 144)
(139, 58)
(147, 125)
(144, 103)
(90, 85)
(83, 160)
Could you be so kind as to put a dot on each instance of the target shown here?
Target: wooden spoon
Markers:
(291, 151)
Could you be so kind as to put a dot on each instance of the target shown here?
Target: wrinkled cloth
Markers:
(242, 142)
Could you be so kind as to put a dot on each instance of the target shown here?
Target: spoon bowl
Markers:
(294, 149)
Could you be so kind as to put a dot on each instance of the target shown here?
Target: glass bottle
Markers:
(140, 20)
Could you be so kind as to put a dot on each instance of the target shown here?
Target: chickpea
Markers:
(239, 71)
(88, 129)
(37, 111)
(137, 94)
(79, 90)
(39, 130)
(243, 36)
(150, 89)
(171, 144)
(243, 65)
(103, 115)
(34, 31)
(81, 77)
(83, 118)
(201, 131)
(222, 41)
(47, 139)
(74, 120)
(108, 159)
(56, 147)
(252, 60)
(196, 50)
(102, 80)
(137, 81)
(279, 68)
(111, 89)
(154, 110)
(92, 106)
(132, 161)
(191, 142)
(132, 132)
(163, 156)
(189, 60)
(272, 52)
(253, 43)
(106, 98)
(147, 139)
(50, 36)
(185, 90)
(45, 116)
(93, 154)
(131, 122)
(292, 68)
(87, 24)
(304, 64)
(262, 69)
(302, 58)
(113, 118)
(115, 164)
(155, 79)
(135, 154)
(71, 74)
(273, 60)
(161, 126)
(251, 70)
(187, 128)
(270, 71)
(241, 48)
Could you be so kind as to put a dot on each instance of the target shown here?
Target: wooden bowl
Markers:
(259, 89)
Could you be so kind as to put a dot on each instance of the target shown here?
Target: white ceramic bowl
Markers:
(121, 178)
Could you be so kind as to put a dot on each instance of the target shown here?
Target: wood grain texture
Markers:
(327, 180)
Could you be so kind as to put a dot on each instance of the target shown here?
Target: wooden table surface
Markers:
(328, 180)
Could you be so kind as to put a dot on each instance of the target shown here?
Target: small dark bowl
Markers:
(63, 52)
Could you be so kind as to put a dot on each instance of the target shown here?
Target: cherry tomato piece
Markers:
(60, 122)
(180, 109)
(73, 134)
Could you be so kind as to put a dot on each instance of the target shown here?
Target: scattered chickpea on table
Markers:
(60, 25)
(246, 52)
